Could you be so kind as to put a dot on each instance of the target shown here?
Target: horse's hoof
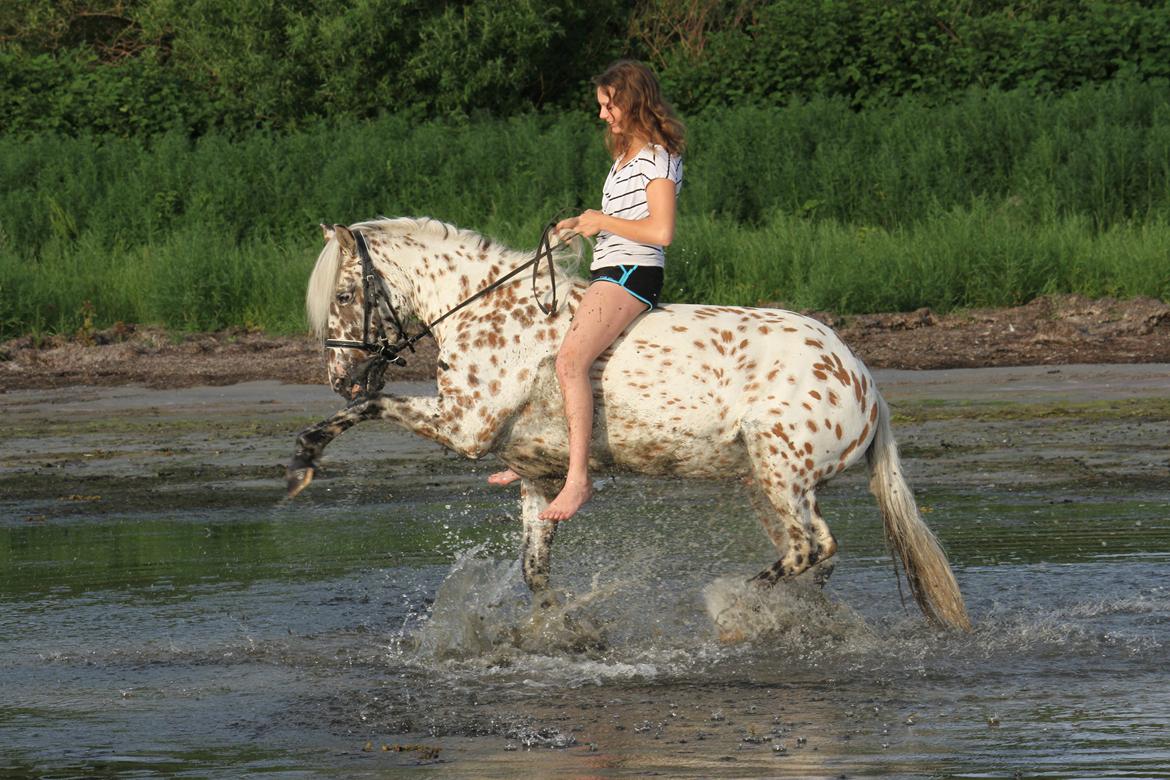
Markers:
(297, 479)
(762, 581)
(822, 571)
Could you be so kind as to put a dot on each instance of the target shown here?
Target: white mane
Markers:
(323, 281)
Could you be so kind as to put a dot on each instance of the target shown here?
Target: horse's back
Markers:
(741, 350)
(695, 382)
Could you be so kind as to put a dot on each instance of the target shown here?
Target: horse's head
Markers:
(336, 302)
(414, 269)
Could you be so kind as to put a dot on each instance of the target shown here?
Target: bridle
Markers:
(378, 309)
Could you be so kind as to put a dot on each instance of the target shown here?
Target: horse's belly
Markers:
(682, 444)
(629, 433)
(537, 445)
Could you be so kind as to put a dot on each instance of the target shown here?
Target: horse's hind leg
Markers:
(789, 527)
(536, 549)
(826, 543)
(794, 524)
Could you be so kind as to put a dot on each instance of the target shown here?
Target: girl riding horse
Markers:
(635, 223)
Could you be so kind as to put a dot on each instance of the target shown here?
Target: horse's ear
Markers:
(327, 231)
(345, 238)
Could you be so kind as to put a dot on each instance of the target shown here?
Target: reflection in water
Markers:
(160, 613)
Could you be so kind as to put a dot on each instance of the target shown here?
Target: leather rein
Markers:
(378, 309)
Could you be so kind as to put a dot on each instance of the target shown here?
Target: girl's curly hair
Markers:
(634, 89)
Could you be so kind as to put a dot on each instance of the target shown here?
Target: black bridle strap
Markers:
(375, 296)
(389, 352)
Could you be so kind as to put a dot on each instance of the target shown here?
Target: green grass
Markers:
(980, 255)
(990, 200)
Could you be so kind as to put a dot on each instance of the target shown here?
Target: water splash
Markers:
(789, 612)
(482, 611)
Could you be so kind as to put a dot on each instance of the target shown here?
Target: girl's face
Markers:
(609, 113)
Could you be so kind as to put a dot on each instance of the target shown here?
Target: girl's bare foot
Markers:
(571, 498)
(506, 477)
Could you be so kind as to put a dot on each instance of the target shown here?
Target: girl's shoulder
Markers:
(658, 163)
(657, 152)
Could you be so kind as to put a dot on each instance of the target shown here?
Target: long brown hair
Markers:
(634, 89)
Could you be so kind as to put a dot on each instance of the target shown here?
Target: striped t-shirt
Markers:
(624, 196)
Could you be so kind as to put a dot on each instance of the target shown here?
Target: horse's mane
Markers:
(323, 281)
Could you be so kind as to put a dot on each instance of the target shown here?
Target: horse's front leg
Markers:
(535, 552)
(312, 441)
(420, 415)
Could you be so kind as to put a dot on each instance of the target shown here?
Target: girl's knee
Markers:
(571, 363)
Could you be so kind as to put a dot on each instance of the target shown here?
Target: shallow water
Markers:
(162, 613)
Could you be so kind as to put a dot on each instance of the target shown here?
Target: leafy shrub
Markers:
(871, 53)
(202, 65)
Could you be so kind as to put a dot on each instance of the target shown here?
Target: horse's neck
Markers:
(436, 276)
(441, 275)
(511, 317)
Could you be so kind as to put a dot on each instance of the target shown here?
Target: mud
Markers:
(1052, 330)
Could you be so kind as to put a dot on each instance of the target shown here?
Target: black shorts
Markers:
(644, 282)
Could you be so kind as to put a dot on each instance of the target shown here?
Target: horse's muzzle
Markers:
(364, 379)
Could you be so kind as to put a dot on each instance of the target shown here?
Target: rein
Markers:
(376, 297)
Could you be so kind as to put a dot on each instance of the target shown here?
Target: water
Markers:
(162, 613)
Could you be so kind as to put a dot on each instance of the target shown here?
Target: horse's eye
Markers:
(344, 298)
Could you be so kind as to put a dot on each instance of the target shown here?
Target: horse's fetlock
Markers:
(768, 577)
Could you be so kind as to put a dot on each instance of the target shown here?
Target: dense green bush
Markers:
(201, 65)
(871, 52)
(246, 64)
(73, 93)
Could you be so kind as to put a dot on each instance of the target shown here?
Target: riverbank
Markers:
(1052, 330)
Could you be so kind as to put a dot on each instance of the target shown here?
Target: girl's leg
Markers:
(604, 312)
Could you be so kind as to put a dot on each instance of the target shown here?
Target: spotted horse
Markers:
(707, 392)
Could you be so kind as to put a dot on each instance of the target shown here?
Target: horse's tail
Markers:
(931, 580)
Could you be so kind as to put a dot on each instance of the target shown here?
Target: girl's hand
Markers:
(590, 223)
(566, 226)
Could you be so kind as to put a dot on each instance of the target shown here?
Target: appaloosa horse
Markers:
(709, 392)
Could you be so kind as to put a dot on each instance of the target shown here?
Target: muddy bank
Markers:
(1054, 330)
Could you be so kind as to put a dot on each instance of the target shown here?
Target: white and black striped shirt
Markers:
(624, 196)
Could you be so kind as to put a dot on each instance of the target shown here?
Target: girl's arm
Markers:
(658, 228)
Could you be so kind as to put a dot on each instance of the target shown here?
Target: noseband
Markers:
(378, 308)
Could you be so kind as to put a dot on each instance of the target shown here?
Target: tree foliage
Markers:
(872, 52)
(140, 67)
